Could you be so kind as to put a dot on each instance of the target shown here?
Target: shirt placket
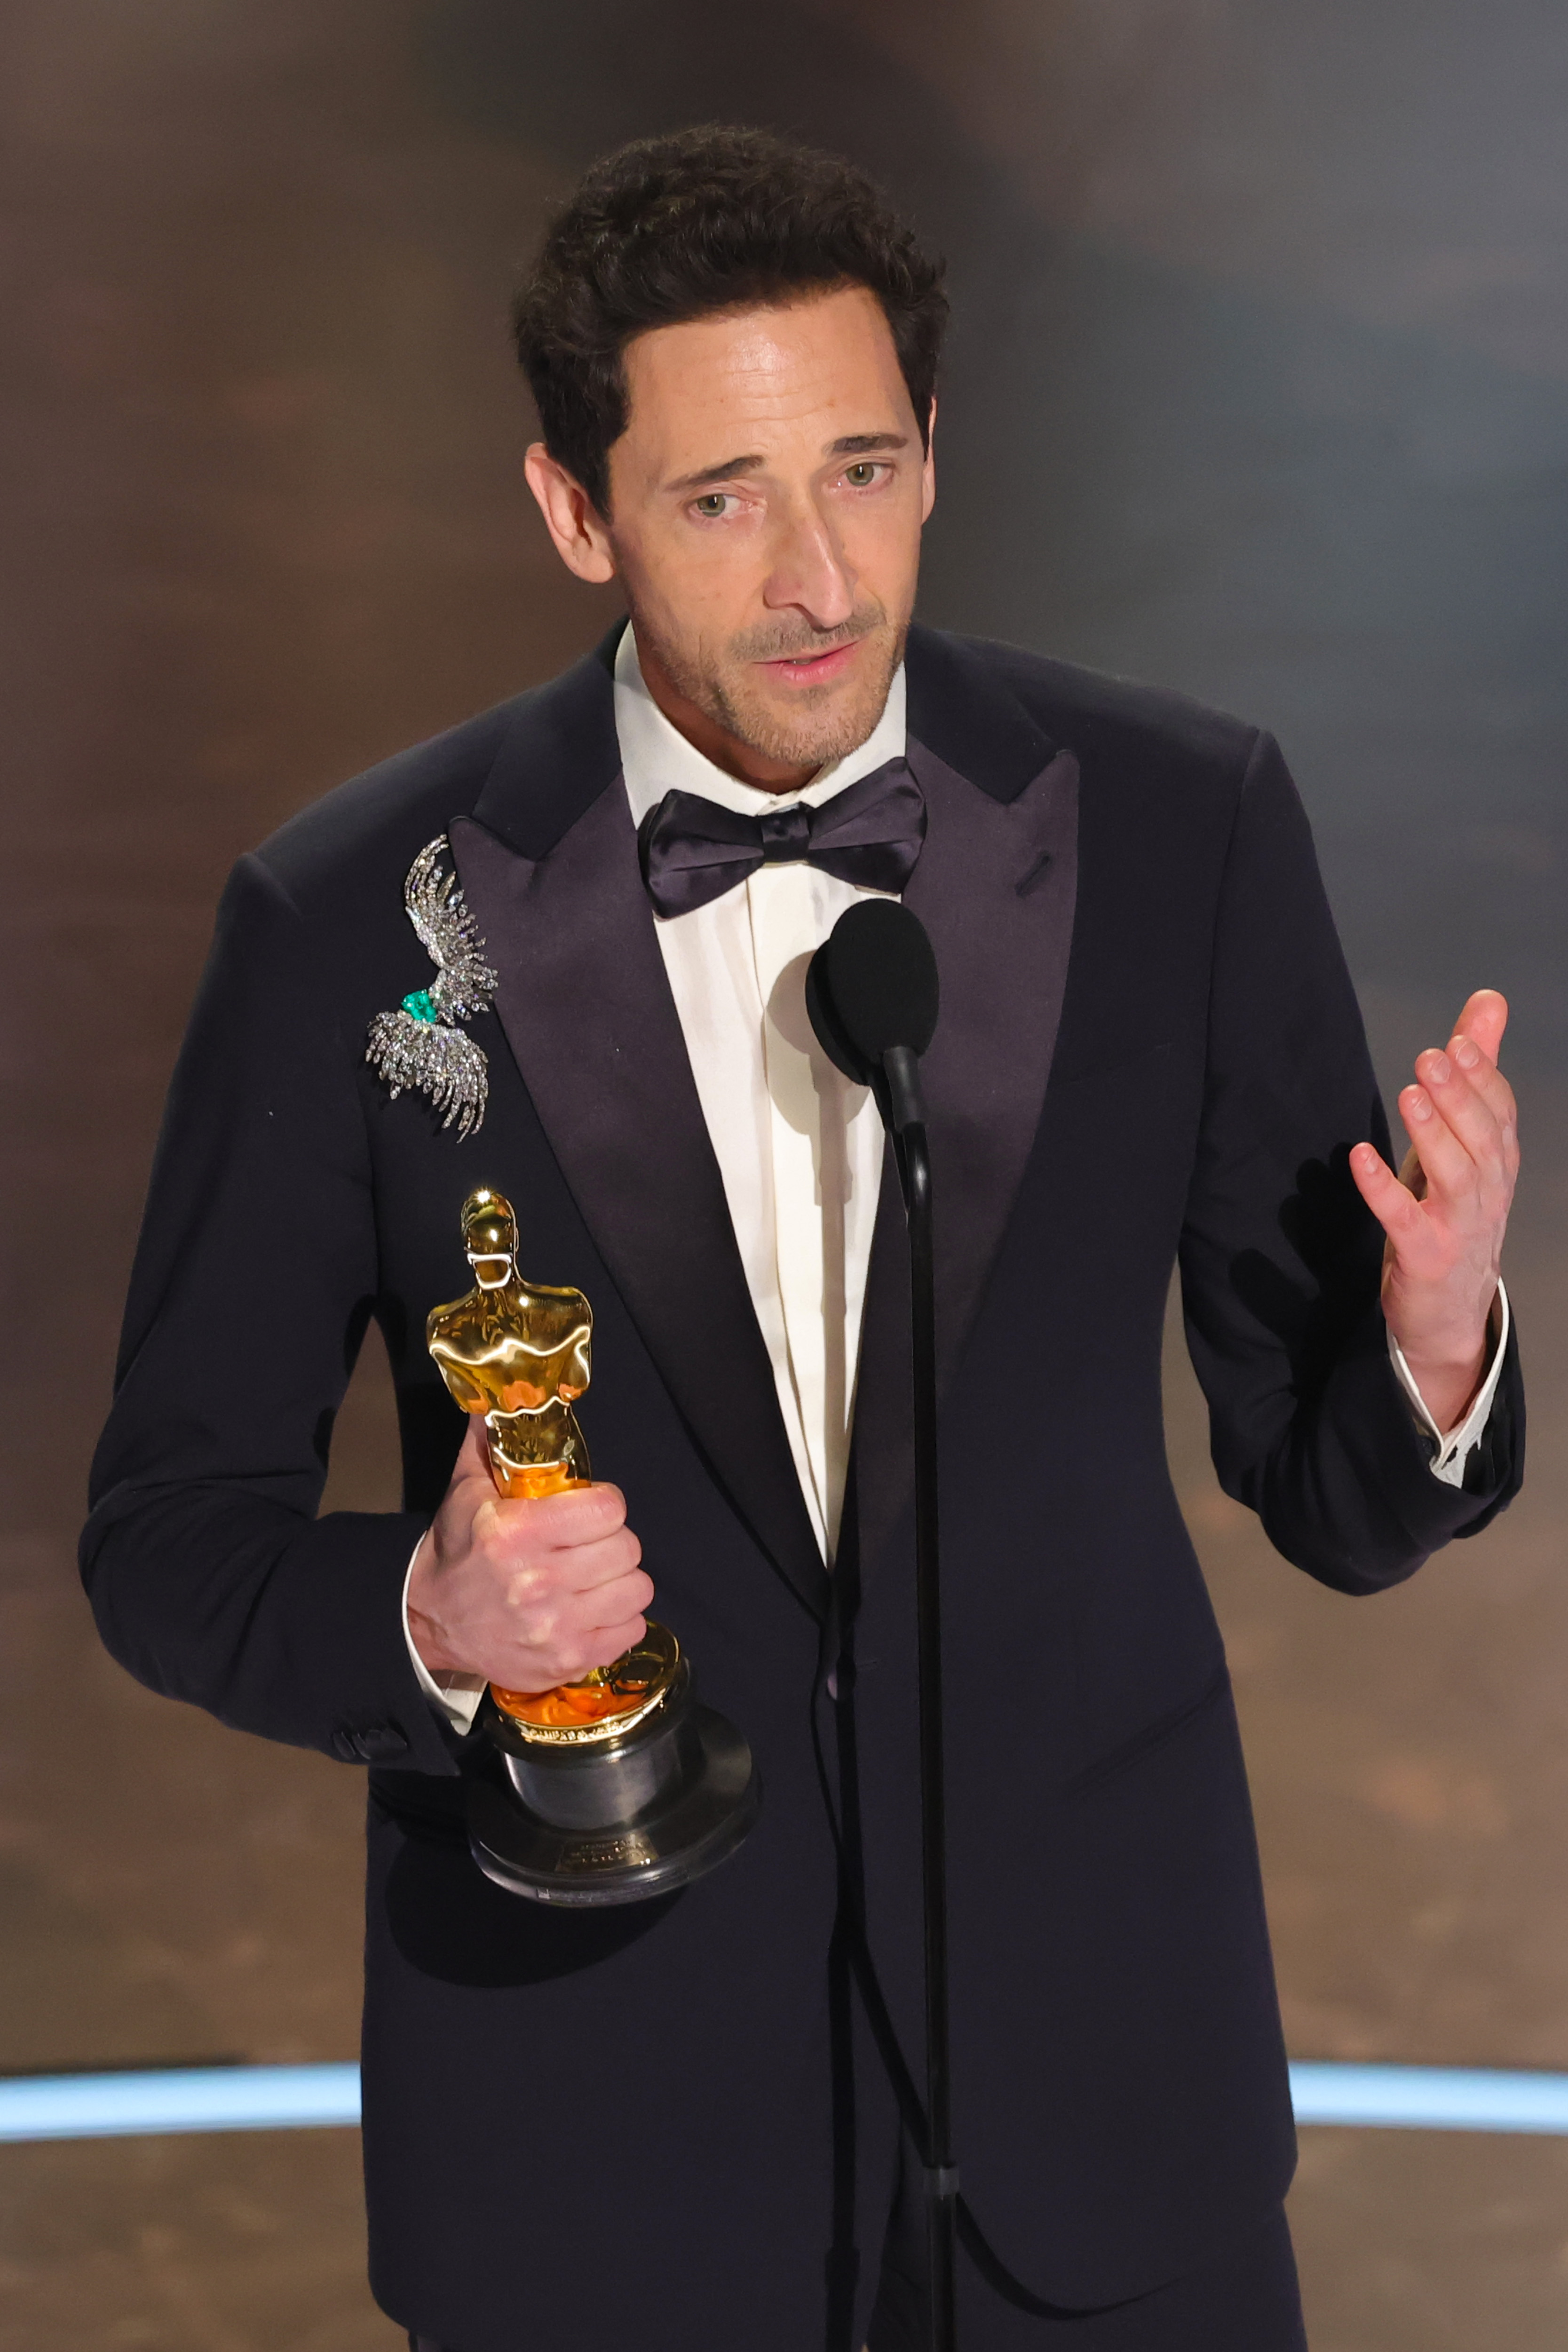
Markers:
(784, 925)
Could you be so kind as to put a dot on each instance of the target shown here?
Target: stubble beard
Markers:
(824, 723)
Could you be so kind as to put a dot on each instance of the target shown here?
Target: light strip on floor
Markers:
(1430, 2098)
(279, 2098)
(178, 2099)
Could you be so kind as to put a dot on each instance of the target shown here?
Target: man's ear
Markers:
(928, 471)
(572, 520)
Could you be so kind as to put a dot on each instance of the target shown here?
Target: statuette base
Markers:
(618, 1820)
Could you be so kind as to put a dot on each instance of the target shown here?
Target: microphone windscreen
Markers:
(872, 985)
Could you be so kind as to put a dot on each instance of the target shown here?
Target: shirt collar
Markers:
(656, 757)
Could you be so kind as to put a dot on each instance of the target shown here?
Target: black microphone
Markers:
(872, 993)
(872, 996)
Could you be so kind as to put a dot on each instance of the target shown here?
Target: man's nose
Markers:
(810, 573)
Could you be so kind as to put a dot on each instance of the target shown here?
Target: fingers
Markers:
(1461, 1116)
(1487, 1084)
(583, 1630)
(1452, 1173)
(605, 1648)
(611, 1608)
(1473, 1050)
(531, 1572)
(1484, 1079)
(570, 1660)
(1444, 1108)
(1483, 1020)
(553, 1527)
(597, 1568)
(579, 1514)
(582, 1512)
(1462, 1121)
(1453, 1193)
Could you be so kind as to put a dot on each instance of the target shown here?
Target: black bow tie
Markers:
(691, 850)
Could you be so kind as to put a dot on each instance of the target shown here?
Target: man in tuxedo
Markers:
(679, 2124)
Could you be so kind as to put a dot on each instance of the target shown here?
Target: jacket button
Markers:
(381, 1743)
(372, 1743)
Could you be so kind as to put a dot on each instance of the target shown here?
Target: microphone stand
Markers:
(904, 1109)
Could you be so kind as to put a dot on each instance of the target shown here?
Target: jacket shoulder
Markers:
(1098, 715)
(379, 822)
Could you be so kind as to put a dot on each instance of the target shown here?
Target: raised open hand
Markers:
(1445, 1214)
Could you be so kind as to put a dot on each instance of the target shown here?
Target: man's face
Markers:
(766, 506)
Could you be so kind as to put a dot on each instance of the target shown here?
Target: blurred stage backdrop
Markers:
(1258, 387)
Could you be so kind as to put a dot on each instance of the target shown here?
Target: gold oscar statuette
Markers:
(620, 1785)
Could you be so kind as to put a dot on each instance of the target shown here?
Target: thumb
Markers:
(1391, 1203)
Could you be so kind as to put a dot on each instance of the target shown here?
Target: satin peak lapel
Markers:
(996, 887)
(587, 1012)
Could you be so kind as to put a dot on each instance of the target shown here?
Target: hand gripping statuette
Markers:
(621, 1786)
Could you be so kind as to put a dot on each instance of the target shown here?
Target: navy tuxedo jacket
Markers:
(1148, 1052)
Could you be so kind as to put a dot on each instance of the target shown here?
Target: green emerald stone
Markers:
(419, 1006)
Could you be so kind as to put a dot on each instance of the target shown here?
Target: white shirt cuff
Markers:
(456, 1697)
(1454, 1450)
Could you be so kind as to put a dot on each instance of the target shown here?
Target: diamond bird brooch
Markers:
(418, 1045)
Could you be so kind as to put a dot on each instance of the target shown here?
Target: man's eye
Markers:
(861, 477)
(711, 504)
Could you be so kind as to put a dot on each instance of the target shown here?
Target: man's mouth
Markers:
(811, 668)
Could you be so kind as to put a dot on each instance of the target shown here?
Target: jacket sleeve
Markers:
(210, 1575)
(1281, 1260)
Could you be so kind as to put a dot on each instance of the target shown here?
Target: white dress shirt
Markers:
(799, 1148)
(1455, 1450)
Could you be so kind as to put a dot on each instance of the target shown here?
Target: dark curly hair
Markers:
(706, 220)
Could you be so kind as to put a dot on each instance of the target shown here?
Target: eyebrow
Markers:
(722, 472)
(849, 445)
